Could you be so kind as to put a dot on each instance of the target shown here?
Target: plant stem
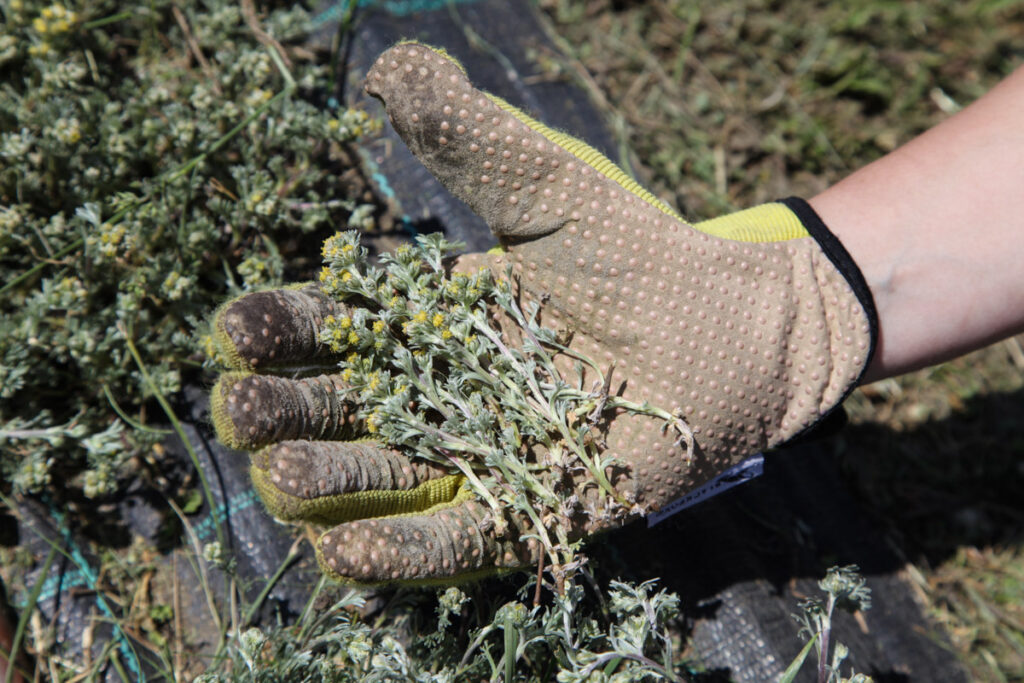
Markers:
(172, 416)
(826, 632)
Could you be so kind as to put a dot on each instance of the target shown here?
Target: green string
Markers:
(91, 580)
(397, 8)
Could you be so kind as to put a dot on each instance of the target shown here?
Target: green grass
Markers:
(730, 104)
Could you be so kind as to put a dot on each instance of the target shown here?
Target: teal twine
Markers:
(397, 8)
(91, 580)
(204, 530)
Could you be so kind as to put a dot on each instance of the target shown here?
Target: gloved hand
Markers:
(750, 327)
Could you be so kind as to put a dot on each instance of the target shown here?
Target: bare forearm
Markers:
(937, 228)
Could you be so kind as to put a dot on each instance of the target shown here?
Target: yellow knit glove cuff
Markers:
(766, 223)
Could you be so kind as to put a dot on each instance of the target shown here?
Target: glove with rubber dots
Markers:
(750, 327)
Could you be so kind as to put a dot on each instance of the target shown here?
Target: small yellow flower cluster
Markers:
(175, 285)
(68, 131)
(418, 317)
(212, 351)
(330, 280)
(439, 321)
(72, 287)
(254, 270)
(53, 21)
(466, 287)
(348, 373)
(258, 97)
(381, 341)
(336, 246)
(331, 334)
(208, 346)
(260, 204)
(455, 285)
(342, 333)
(346, 130)
(40, 49)
(341, 253)
(110, 237)
(336, 129)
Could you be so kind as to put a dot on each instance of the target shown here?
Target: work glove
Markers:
(749, 328)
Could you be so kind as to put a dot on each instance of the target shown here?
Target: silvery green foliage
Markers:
(427, 364)
(846, 589)
(322, 646)
(471, 637)
(128, 208)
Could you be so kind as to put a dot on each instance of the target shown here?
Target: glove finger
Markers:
(522, 177)
(251, 411)
(276, 329)
(330, 482)
(448, 544)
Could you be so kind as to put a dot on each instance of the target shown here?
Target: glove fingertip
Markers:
(226, 351)
(448, 544)
(223, 424)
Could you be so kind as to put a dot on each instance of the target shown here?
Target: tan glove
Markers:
(750, 327)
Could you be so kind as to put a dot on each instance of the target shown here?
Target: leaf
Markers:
(511, 634)
(794, 668)
(193, 503)
(611, 666)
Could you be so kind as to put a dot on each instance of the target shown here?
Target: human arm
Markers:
(937, 229)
